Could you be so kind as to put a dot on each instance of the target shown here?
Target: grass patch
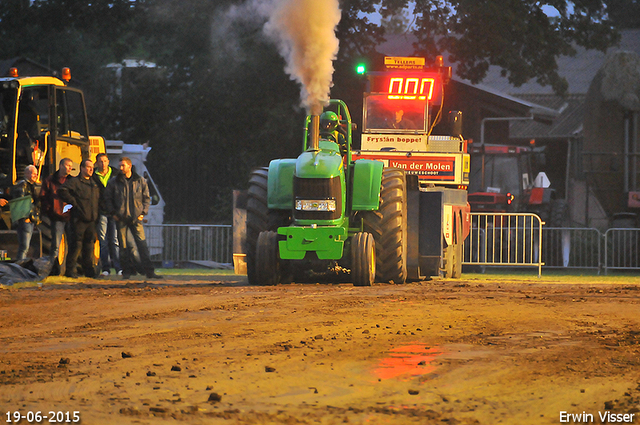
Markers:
(585, 277)
(195, 272)
(555, 276)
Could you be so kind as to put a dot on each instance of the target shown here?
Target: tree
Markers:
(515, 35)
(76, 33)
(219, 102)
(227, 106)
(396, 23)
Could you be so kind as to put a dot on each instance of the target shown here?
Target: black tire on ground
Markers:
(388, 226)
(363, 259)
(60, 264)
(267, 259)
(259, 218)
(559, 214)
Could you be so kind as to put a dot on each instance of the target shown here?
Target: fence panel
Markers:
(511, 240)
(621, 249)
(503, 239)
(569, 247)
(191, 242)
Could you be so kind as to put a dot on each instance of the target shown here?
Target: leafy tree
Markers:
(514, 34)
(226, 107)
(75, 33)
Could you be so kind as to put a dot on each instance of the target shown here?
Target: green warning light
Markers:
(361, 68)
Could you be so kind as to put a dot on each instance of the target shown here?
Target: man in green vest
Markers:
(106, 225)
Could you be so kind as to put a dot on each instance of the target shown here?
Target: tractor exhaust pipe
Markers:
(314, 141)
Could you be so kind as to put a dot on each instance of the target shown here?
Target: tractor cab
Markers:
(503, 178)
(41, 121)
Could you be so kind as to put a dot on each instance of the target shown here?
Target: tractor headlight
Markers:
(315, 205)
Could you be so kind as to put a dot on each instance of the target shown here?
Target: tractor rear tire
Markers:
(559, 215)
(388, 225)
(60, 263)
(259, 219)
(363, 259)
(267, 259)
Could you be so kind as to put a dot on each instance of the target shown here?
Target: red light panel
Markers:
(411, 88)
(408, 86)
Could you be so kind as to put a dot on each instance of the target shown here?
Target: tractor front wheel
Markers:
(259, 219)
(363, 259)
(267, 259)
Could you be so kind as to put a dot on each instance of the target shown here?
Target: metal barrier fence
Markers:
(504, 239)
(571, 247)
(190, 242)
(621, 249)
(511, 240)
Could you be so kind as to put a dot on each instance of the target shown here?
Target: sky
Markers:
(375, 17)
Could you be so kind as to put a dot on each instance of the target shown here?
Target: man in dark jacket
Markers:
(53, 207)
(127, 198)
(106, 225)
(83, 194)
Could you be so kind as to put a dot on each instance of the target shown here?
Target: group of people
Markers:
(105, 203)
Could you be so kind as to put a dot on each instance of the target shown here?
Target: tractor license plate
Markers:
(315, 205)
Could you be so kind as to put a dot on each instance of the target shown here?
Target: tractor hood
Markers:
(319, 164)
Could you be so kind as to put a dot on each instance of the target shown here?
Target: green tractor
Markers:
(323, 210)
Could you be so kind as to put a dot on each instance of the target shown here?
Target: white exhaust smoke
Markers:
(304, 31)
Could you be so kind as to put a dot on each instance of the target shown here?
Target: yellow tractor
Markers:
(42, 120)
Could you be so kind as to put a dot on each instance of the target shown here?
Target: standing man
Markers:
(127, 198)
(24, 225)
(53, 206)
(106, 226)
(83, 194)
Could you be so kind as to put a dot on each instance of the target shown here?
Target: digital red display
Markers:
(411, 88)
(408, 86)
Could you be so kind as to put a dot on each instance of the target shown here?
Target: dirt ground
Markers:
(211, 349)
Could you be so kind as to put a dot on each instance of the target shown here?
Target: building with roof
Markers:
(26, 67)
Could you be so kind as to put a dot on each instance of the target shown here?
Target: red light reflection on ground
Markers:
(409, 360)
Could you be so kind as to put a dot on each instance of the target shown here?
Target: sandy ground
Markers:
(211, 349)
